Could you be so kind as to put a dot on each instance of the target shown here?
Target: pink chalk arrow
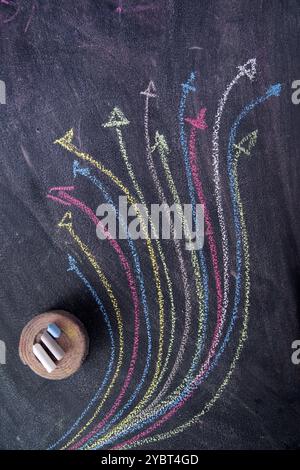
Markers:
(61, 188)
(61, 191)
(199, 122)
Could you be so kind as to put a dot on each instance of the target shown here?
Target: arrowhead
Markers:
(72, 263)
(160, 143)
(116, 119)
(250, 141)
(66, 221)
(189, 85)
(199, 122)
(150, 90)
(81, 170)
(274, 90)
(249, 68)
(66, 139)
(61, 188)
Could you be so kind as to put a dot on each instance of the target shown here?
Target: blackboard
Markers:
(67, 65)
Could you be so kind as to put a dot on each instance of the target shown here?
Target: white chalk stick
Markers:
(43, 357)
(53, 346)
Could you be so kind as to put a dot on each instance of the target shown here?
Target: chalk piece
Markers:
(54, 330)
(73, 341)
(43, 357)
(52, 345)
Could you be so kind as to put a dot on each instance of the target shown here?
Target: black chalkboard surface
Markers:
(188, 349)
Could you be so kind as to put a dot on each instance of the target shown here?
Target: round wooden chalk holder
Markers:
(73, 340)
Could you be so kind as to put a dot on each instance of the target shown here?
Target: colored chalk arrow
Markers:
(66, 221)
(66, 139)
(250, 141)
(160, 143)
(81, 170)
(249, 69)
(116, 119)
(199, 122)
(189, 85)
(274, 90)
(150, 91)
(61, 188)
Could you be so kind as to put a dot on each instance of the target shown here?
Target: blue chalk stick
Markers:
(54, 330)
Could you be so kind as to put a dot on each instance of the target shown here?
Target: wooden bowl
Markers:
(73, 340)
